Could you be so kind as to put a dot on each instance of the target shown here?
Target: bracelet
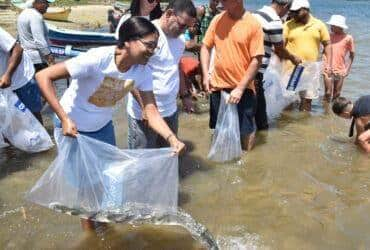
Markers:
(168, 137)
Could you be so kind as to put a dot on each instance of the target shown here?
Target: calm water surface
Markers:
(305, 186)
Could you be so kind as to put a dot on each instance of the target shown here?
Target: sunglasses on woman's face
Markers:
(152, 1)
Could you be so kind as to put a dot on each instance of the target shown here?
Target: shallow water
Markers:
(305, 186)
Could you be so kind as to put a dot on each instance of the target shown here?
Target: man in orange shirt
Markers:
(237, 39)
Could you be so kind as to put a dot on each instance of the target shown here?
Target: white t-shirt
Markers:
(166, 79)
(24, 72)
(90, 98)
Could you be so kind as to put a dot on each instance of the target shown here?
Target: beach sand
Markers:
(84, 17)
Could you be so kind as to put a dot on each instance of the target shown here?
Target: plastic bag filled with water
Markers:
(310, 79)
(276, 95)
(226, 138)
(89, 177)
(19, 125)
(3, 144)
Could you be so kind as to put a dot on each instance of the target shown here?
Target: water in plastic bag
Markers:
(226, 144)
(276, 79)
(3, 144)
(89, 177)
(19, 125)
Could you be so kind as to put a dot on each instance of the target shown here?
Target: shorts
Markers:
(105, 134)
(189, 65)
(30, 95)
(40, 66)
(140, 135)
(246, 111)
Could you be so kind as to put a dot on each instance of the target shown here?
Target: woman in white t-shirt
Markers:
(98, 79)
(149, 9)
(98, 83)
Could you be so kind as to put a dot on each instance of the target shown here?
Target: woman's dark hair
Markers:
(135, 28)
(135, 10)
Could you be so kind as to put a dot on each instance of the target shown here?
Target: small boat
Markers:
(75, 37)
(66, 51)
(54, 14)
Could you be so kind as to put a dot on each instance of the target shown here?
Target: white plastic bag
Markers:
(226, 138)
(276, 95)
(310, 79)
(19, 125)
(89, 177)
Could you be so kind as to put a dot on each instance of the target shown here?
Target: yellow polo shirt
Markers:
(304, 40)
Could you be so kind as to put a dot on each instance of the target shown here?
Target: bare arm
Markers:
(249, 76)
(328, 51)
(349, 66)
(45, 80)
(205, 56)
(283, 53)
(13, 62)
(157, 123)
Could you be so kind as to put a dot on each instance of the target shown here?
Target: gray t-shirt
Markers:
(33, 35)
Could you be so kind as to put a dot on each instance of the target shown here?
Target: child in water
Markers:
(336, 69)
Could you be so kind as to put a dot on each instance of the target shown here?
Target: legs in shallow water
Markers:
(305, 104)
(248, 141)
(328, 84)
(338, 84)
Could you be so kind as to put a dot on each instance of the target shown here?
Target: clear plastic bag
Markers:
(19, 125)
(3, 144)
(310, 79)
(276, 95)
(90, 177)
(226, 144)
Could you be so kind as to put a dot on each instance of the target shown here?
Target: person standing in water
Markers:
(303, 35)
(336, 69)
(87, 105)
(270, 19)
(359, 112)
(237, 38)
(168, 82)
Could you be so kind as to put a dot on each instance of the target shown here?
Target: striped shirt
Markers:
(273, 32)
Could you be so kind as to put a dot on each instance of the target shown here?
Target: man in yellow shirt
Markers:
(303, 36)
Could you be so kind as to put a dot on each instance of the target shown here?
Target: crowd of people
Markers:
(232, 48)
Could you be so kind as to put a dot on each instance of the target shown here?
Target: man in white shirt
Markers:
(167, 81)
(33, 34)
(270, 18)
(16, 72)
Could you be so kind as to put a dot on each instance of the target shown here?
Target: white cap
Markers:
(299, 4)
(338, 20)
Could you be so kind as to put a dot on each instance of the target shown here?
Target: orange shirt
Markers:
(342, 44)
(235, 43)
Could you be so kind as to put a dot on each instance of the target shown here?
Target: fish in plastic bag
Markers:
(89, 177)
(19, 125)
(226, 144)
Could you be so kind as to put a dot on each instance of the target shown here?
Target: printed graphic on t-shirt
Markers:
(110, 92)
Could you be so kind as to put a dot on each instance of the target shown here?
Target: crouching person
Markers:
(87, 105)
(359, 112)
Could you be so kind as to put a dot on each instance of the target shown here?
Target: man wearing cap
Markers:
(303, 36)
(270, 19)
(33, 34)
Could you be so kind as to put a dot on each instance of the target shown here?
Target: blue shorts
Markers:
(246, 111)
(30, 96)
(105, 134)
